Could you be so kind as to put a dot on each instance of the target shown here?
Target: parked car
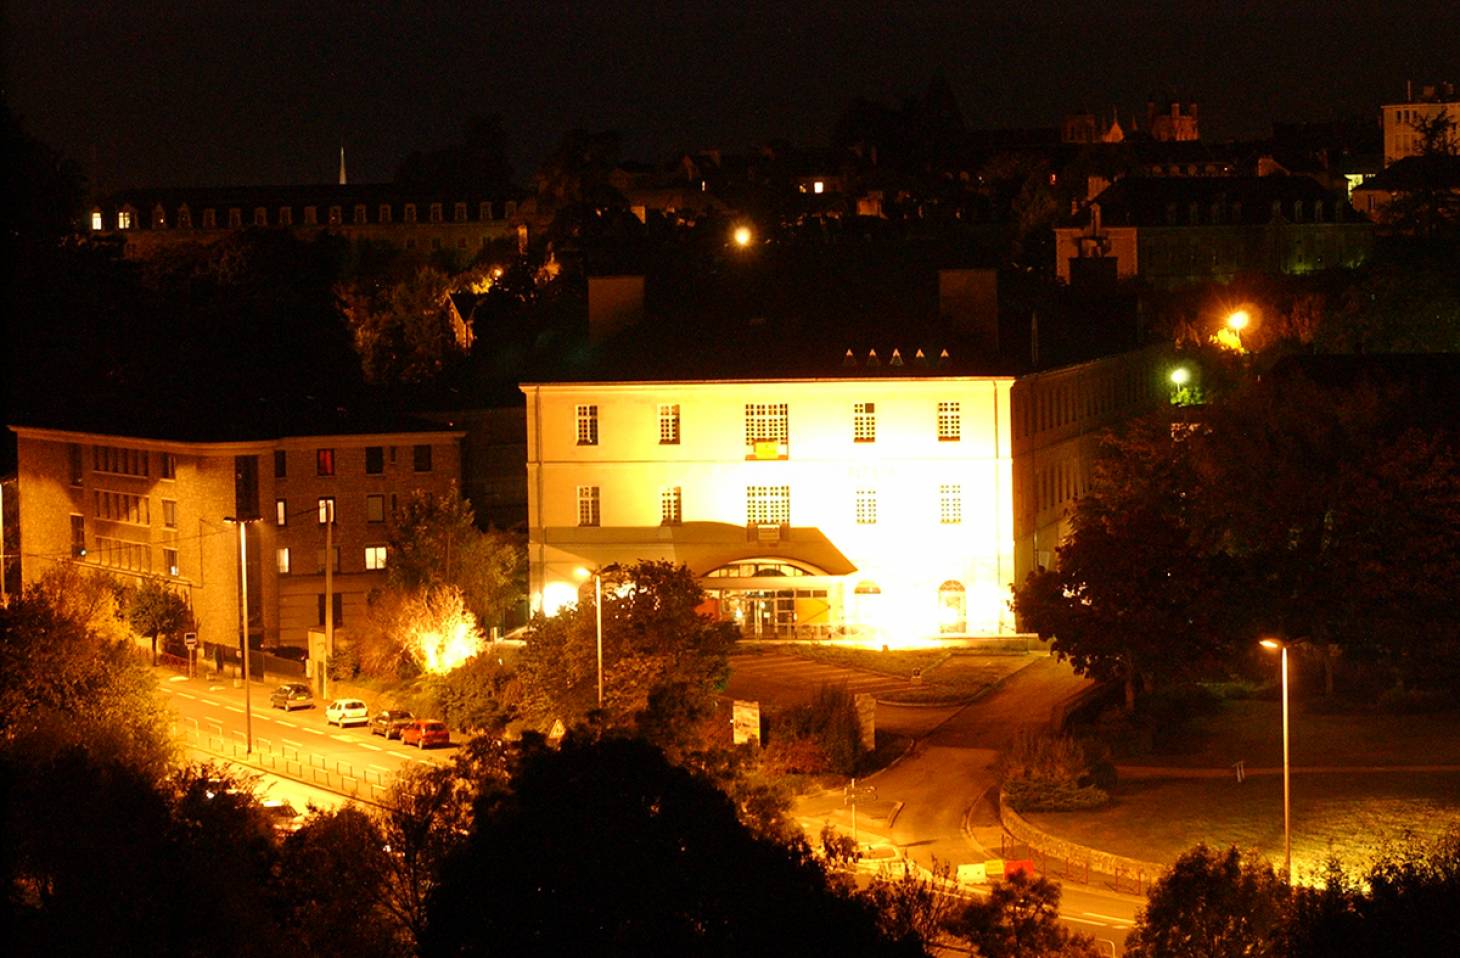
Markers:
(283, 816)
(344, 712)
(294, 653)
(291, 696)
(424, 733)
(390, 722)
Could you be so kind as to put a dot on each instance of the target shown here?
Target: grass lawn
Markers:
(947, 675)
(1251, 730)
(1358, 813)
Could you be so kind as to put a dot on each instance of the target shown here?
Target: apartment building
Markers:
(1404, 122)
(135, 506)
(900, 507)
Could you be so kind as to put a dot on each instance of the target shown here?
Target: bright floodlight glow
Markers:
(1238, 320)
(558, 595)
(449, 644)
(582, 572)
(1180, 376)
(742, 236)
(1270, 644)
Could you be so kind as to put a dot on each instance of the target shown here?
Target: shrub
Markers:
(1048, 795)
(1044, 771)
(822, 735)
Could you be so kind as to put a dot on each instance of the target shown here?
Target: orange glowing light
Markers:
(742, 236)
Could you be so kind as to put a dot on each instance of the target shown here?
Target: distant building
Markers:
(894, 506)
(1435, 177)
(1172, 122)
(136, 506)
(1175, 231)
(1402, 120)
(151, 219)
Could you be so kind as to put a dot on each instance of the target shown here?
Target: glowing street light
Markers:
(1180, 376)
(583, 573)
(742, 236)
(1279, 645)
(1237, 320)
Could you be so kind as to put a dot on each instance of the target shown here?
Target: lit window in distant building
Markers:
(669, 424)
(588, 514)
(326, 509)
(952, 607)
(866, 507)
(281, 512)
(767, 505)
(78, 536)
(458, 213)
(864, 422)
(282, 560)
(169, 514)
(324, 462)
(950, 504)
(169, 561)
(767, 430)
(950, 423)
(818, 187)
(124, 220)
(587, 417)
(374, 558)
(670, 506)
(96, 219)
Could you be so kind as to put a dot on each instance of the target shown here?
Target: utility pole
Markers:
(243, 616)
(329, 593)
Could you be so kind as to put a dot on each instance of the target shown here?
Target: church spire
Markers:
(343, 180)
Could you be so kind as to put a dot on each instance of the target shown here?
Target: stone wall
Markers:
(1118, 867)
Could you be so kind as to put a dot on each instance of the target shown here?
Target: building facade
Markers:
(1403, 121)
(890, 508)
(139, 507)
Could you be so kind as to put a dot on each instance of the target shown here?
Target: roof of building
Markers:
(1434, 171)
(318, 194)
(1172, 201)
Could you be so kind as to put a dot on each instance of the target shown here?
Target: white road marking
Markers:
(342, 738)
(1085, 921)
(1096, 914)
(178, 678)
(291, 743)
(234, 708)
(215, 688)
(378, 768)
(373, 748)
(313, 731)
(186, 695)
(286, 724)
(211, 702)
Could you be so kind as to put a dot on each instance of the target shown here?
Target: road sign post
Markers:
(854, 793)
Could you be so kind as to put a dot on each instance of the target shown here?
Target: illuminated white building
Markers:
(892, 507)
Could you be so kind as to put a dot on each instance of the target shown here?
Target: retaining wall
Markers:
(1075, 855)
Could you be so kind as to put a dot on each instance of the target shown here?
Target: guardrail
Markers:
(1079, 861)
(289, 760)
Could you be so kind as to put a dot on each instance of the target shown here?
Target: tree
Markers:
(910, 906)
(404, 330)
(1020, 919)
(154, 610)
(1213, 904)
(654, 639)
(603, 846)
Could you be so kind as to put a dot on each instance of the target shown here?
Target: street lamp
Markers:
(1180, 376)
(1280, 646)
(1238, 320)
(598, 615)
(243, 616)
(742, 236)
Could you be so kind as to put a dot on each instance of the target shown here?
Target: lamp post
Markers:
(598, 616)
(243, 617)
(1282, 647)
(1237, 320)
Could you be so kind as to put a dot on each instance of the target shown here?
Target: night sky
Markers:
(189, 93)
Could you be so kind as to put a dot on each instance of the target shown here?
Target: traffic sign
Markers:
(190, 639)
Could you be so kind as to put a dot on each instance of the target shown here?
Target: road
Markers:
(298, 745)
(928, 805)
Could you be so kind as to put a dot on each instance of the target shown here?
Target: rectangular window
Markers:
(767, 505)
(324, 462)
(235, 218)
(167, 463)
(866, 507)
(434, 212)
(77, 466)
(319, 560)
(382, 215)
(260, 216)
(458, 212)
(119, 461)
(281, 558)
(360, 217)
(375, 508)
(286, 216)
(78, 536)
(169, 561)
(124, 554)
(671, 511)
(421, 458)
(588, 505)
(281, 512)
(281, 464)
(864, 422)
(121, 507)
(374, 558)
(669, 424)
(169, 514)
(767, 430)
(326, 509)
(410, 213)
(335, 216)
(950, 422)
(587, 417)
(374, 460)
(337, 607)
(210, 219)
(950, 504)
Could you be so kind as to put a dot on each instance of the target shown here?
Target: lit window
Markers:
(767, 505)
(950, 424)
(587, 425)
(767, 430)
(169, 514)
(96, 219)
(324, 462)
(864, 422)
(950, 504)
(169, 561)
(374, 508)
(669, 424)
(818, 187)
(588, 505)
(670, 506)
(326, 509)
(374, 558)
(78, 536)
(282, 558)
(281, 512)
(124, 220)
(952, 607)
(421, 458)
(866, 507)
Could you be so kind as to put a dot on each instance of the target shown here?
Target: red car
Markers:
(425, 732)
